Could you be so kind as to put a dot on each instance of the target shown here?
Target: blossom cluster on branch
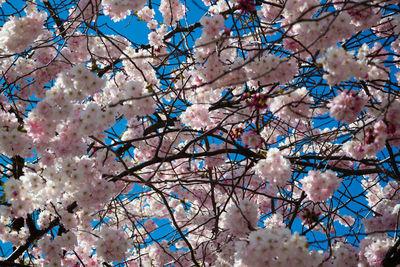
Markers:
(266, 133)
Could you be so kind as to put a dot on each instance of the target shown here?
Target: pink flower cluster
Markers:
(252, 139)
(341, 66)
(156, 38)
(320, 186)
(368, 142)
(384, 202)
(172, 11)
(275, 169)
(87, 9)
(372, 250)
(146, 14)
(385, 221)
(346, 106)
(242, 218)
(237, 131)
(159, 253)
(388, 26)
(292, 106)
(256, 100)
(275, 247)
(296, 9)
(342, 254)
(212, 24)
(269, 13)
(269, 69)
(13, 190)
(361, 17)
(321, 33)
(17, 34)
(196, 116)
(118, 9)
(112, 244)
(13, 140)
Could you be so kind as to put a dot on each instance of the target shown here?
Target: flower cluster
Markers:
(256, 100)
(305, 37)
(341, 66)
(269, 69)
(146, 14)
(17, 34)
(319, 186)
(294, 9)
(275, 169)
(237, 131)
(343, 254)
(369, 142)
(196, 116)
(212, 24)
(87, 9)
(172, 11)
(269, 13)
(243, 218)
(383, 222)
(252, 139)
(346, 106)
(372, 250)
(361, 17)
(269, 247)
(291, 106)
(13, 140)
(112, 244)
(118, 9)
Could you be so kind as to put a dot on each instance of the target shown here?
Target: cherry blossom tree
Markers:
(241, 133)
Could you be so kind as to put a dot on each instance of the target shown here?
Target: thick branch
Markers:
(56, 18)
(37, 234)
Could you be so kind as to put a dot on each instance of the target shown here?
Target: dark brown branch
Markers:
(56, 18)
(31, 239)
(12, 264)
(392, 257)
(37, 234)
